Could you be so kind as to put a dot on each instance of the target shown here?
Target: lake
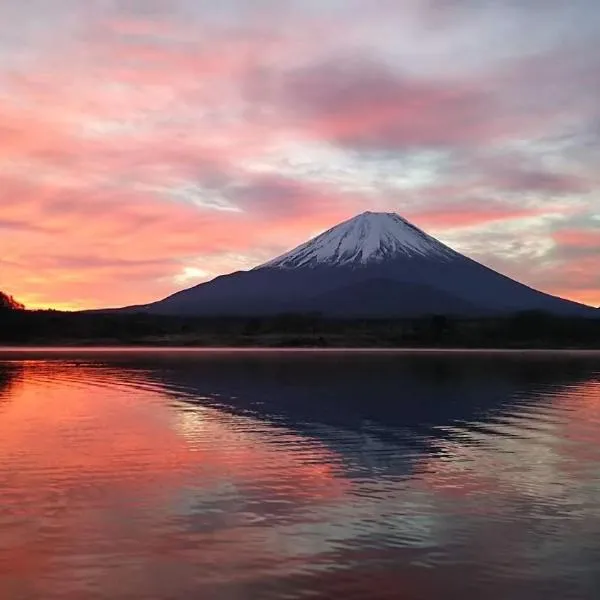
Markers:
(233, 475)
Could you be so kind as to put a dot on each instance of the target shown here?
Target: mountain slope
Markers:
(341, 262)
(388, 298)
(368, 238)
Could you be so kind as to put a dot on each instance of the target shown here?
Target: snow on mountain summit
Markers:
(372, 266)
(370, 237)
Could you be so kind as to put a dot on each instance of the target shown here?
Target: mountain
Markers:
(8, 302)
(375, 264)
(366, 239)
(385, 297)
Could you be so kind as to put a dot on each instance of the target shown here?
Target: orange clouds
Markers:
(579, 278)
(137, 147)
(471, 214)
(99, 160)
(577, 272)
(579, 238)
(361, 104)
(96, 249)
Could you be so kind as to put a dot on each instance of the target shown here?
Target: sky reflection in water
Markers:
(298, 475)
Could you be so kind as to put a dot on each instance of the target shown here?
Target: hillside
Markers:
(8, 302)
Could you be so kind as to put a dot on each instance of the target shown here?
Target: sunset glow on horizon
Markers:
(147, 146)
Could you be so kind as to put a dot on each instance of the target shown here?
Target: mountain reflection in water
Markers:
(294, 475)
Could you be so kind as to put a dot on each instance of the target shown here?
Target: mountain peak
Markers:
(370, 237)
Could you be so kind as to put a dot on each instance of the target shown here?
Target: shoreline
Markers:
(63, 349)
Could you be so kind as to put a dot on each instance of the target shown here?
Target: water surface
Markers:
(237, 475)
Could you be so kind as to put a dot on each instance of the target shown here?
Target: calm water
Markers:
(220, 475)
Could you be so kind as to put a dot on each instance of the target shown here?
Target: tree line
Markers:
(531, 329)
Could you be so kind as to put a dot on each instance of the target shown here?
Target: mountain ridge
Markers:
(369, 237)
(350, 256)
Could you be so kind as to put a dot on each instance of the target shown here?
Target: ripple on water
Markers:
(346, 477)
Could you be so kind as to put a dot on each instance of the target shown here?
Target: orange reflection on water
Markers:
(104, 477)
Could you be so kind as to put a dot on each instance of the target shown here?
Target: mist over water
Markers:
(233, 475)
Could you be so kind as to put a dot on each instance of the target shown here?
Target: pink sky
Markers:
(148, 146)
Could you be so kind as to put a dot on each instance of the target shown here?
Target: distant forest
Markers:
(522, 330)
(8, 302)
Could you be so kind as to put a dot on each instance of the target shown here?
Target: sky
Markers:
(149, 145)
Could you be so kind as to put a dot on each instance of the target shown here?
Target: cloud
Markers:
(514, 175)
(150, 142)
(138, 237)
(471, 212)
(364, 105)
(272, 197)
(577, 256)
(588, 239)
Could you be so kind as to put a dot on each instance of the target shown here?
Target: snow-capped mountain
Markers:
(365, 239)
(373, 265)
